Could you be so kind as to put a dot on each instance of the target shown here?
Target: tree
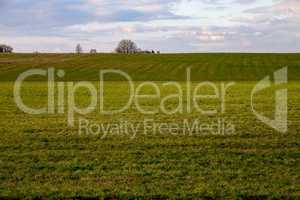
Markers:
(127, 47)
(93, 51)
(5, 48)
(78, 49)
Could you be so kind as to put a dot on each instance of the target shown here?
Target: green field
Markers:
(141, 67)
(41, 157)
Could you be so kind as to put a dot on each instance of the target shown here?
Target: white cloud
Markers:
(105, 7)
(167, 25)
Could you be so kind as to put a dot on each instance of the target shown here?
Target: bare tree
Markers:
(93, 51)
(5, 49)
(127, 47)
(78, 49)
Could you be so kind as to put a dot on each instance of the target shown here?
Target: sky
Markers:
(164, 25)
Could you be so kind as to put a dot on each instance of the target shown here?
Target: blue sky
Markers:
(165, 25)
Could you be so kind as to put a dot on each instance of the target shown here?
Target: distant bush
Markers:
(5, 49)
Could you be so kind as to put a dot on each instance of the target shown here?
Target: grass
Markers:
(215, 67)
(40, 157)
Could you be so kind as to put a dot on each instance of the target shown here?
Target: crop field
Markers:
(141, 67)
(42, 157)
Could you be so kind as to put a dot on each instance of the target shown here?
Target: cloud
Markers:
(120, 10)
(281, 10)
(167, 25)
(37, 14)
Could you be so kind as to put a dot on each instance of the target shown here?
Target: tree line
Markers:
(124, 47)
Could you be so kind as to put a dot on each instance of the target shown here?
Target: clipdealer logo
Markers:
(186, 93)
